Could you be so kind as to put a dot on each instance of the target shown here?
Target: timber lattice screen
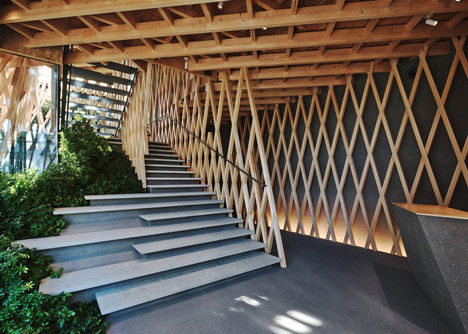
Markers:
(340, 157)
(178, 95)
(27, 114)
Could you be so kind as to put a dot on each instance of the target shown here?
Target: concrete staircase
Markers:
(128, 250)
(100, 95)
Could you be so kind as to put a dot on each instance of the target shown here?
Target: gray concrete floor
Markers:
(326, 288)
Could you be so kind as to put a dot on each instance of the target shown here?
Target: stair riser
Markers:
(150, 200)
(164, 161)
(186, 180)
(151, 173)
(175, 190)
(185, 220)
(115, 216)
(94, 255)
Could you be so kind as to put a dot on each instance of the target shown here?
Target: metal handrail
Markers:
(204, 143)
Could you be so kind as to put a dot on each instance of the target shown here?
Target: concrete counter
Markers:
(436, 242)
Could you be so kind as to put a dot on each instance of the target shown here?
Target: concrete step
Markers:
(149, 161)
(192, 240)
(126, 296)
(163, 151)
(123, 271)
(159, 146)
(95, 214)
(165, 167)
(219, 213)
(168, 173)
(117, 67)
(176, 188)
(79, 239)
(94, 87)
(99, 109)
(161, 156)
(97, 200)
(172, 180)
(96, 76)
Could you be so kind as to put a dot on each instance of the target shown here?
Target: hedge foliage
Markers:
(88, 165)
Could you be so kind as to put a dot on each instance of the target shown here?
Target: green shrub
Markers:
(88, 165)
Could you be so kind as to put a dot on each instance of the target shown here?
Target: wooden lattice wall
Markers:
(134, 121)
(178, 95)
(340, 157)
(23, 92)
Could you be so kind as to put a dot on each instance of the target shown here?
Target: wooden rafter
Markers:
(42, 10)
(300, 40)
(305, 15)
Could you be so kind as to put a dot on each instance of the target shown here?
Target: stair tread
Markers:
(117, 67)
(88, 116)
(159, 150)
(170, 186)
(170, 154)
(184, 214)
(96, 76)
(186, 241)
(96, 98)
(167, 166)
(173, 178)
(145, 195)
(95, 87)
(170, 160)
(170, 172)
(90, 107)
(99, 276)
(127, 207)
(137, 293)
(120, 234)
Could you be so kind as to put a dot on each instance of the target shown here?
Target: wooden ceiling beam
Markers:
(90, 22)
(166, 15)
(242, 21)
(111, 19)
(250, 12)
(272, 42)
(207, 11)
(413, 22)
(258, 101)
(127, 19)
(271, 93)
(269, 5)
(292, 83)
(43, 10)
(308, 57)
(56, 27)
(324, 69)
(23, 4)
(22, 30)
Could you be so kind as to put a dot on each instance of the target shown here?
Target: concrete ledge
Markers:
(435, 240)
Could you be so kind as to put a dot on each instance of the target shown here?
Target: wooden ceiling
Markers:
(290, 44)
